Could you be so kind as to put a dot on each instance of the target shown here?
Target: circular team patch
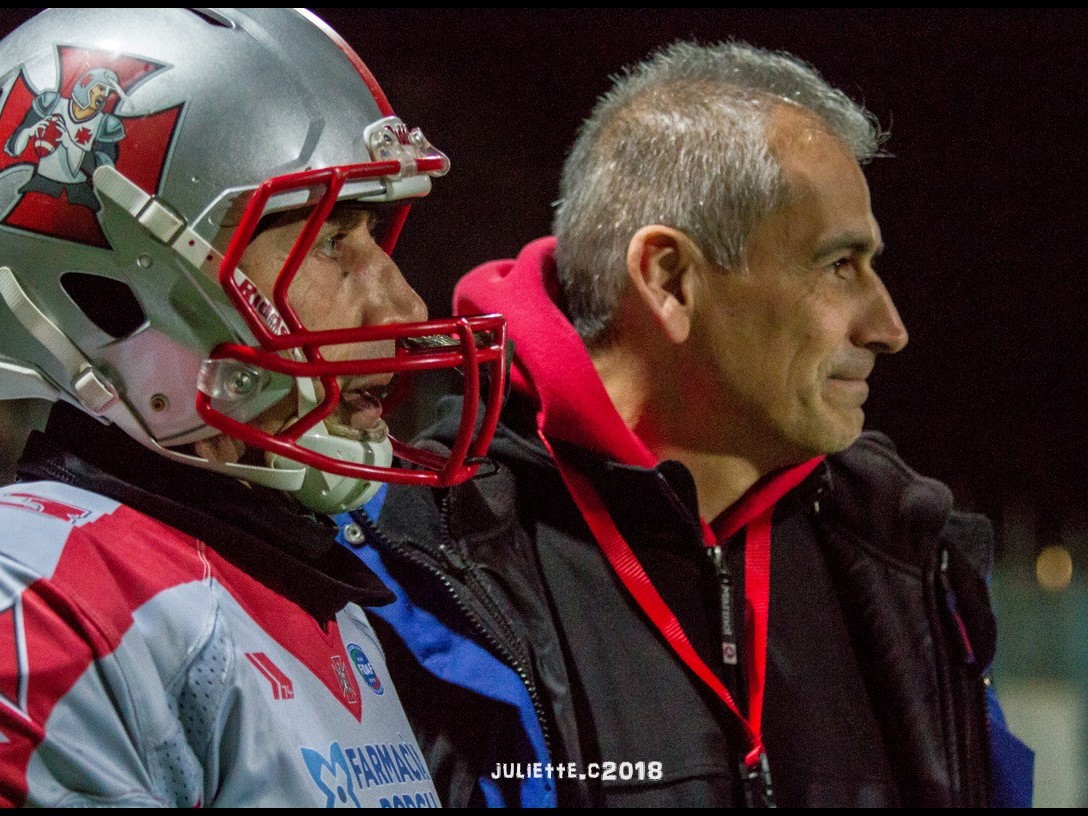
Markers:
(358, 657)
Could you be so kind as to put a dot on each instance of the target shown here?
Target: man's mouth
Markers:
(855, 389)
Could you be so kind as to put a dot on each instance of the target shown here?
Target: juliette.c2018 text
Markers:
(605, 771)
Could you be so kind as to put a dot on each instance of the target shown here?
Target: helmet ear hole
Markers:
(107, 302)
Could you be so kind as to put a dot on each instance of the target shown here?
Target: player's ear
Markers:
(662, 265)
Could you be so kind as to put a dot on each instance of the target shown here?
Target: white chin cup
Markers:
(326, 492)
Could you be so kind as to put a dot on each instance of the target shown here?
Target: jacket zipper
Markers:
(974, 788)
(465, 570)
(756, 782)
(725, 597)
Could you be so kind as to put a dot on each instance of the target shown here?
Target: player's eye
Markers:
(328, 246)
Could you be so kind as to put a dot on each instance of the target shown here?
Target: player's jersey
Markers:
(138, 666)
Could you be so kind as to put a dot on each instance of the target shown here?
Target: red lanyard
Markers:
(754, 513)
(634, 578)
(756, 516)
(757, 591)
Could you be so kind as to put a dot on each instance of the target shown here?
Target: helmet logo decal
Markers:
(52, 140)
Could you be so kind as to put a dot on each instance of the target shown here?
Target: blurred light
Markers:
(1054, 568)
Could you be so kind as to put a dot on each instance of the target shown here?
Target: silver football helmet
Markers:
(140, 149)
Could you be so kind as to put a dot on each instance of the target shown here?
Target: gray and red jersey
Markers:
(140, 667)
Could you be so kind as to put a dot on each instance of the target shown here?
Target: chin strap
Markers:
(329, 493)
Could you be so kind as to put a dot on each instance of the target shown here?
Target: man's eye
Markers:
(843, 267)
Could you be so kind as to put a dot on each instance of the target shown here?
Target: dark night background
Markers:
(981, 208)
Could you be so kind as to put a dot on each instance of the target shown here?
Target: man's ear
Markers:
(662, 263)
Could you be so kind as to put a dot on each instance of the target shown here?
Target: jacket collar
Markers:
(881, 499)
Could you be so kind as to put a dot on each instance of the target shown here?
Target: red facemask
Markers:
(474, 345)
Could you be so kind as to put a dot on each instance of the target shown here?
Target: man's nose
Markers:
(880, 328)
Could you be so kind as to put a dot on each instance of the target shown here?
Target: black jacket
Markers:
(881, 631)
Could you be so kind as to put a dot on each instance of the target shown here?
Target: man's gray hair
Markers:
(681, 140)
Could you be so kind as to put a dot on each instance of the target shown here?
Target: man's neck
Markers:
(720, 479)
